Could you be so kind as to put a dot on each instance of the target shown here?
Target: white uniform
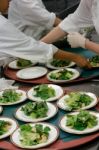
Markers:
(31, 17)
(86, 15)
(15, 43)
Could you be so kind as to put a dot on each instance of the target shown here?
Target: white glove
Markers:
(76, 40)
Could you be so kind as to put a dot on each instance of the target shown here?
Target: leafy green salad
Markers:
(81, 121)
(94, 61)
(10, 96)
(44, 92)
(77, 100)
(33, 135)
(23, 63)
(35, 109)
(60, 63)
(4, 127)
(63, 74)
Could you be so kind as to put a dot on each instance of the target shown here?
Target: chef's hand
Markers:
(82, 62)
(75, 40)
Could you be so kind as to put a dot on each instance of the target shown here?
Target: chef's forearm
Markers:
(54, 36)
(57, 21)
(92, 46)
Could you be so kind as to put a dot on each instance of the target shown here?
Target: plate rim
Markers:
(56, 111)
(44, 73)
(17, 102)
(84, 108)
(11, 120)
(18, 68)
(1, 109)
(48, 65)
(78, 132)
(63, 81)
(49, 124)
(54, 98)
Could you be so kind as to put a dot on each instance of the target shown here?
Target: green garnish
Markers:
(44, 91)
(23, 63)
(62, 75)
(60, 63)
(77, 100)
(35, 109)
(94, 61)
(81, 121)
(4, 127)
(10, 96)
(33, 135)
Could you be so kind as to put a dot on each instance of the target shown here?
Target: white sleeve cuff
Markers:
(51, 22)
(67, 26)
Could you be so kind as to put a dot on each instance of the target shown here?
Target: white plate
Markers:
(13, 65)
(53, 135)
(52, 110)
(58, 93)
(1, 109)
(49, 65)
(76, 75)
(22, 98)
(31, 73)
(73, 131)
(62, 102)
(12, 128)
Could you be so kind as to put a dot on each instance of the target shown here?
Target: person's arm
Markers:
(78, 59)
(77, 40)
(92, 46)
(57, 21)
(79, 19)
(34, 12)
(54, 35)
(15, 43)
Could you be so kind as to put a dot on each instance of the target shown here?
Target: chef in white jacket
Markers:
(17, 44)
(31, 17)
(86, 15)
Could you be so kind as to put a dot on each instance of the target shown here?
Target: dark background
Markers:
(61, 7)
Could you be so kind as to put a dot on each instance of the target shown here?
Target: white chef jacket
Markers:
(31, 17)
(86, 15)
(17, 44)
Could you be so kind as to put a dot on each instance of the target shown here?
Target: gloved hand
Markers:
(76, 40)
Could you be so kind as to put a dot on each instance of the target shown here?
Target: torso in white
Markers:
(15, 43)
(31, 17)
(86, 15)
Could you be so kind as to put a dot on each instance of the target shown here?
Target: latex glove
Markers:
(75, 39)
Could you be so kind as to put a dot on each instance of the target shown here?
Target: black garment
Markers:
(61, 7)
(55, 5)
